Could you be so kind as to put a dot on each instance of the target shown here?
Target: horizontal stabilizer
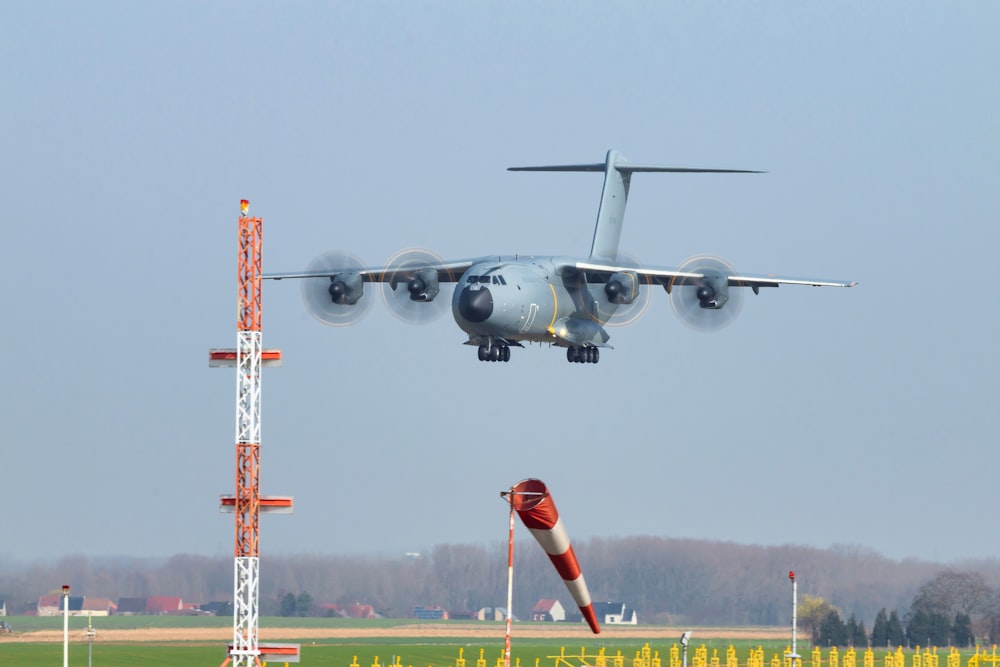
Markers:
(617, 175)
(631, 168)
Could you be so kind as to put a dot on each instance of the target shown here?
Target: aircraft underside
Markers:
(493, 349)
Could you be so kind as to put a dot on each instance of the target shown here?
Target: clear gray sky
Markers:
(820, 417)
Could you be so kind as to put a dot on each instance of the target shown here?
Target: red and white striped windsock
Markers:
(534, 505)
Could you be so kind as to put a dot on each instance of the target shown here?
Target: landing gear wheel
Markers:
(583, 355)
(494, 351)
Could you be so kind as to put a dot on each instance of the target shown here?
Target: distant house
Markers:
(491, 614)
(52, 605)
(430, 613)
(161, 605)
(48, 605)
(366, 611)
(131, 606)
(548, 610)
(615, 613)
(98, 606)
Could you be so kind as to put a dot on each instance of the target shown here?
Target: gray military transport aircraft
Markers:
(503, 302)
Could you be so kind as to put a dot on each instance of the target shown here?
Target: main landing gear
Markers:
(583, 355)
(495, 352)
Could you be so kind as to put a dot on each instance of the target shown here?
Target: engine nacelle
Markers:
(423, 286)
(622, 287)
(713, 293)
(346, 288)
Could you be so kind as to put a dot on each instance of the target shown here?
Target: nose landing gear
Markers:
(583, 355)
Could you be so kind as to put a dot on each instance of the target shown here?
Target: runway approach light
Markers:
(793, 655)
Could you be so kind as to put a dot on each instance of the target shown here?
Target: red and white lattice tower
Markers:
(247, 504)
(246, 580)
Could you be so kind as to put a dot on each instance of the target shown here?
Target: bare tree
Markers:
(951, 592)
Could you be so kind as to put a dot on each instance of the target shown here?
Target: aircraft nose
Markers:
(475, 305)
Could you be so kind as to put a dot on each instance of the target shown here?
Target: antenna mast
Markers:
(246, 582)
(247, 504)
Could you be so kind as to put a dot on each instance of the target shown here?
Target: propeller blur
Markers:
(504, 302)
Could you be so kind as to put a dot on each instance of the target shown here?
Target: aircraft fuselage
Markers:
(529, 299)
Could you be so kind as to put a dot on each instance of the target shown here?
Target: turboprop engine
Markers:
(622, 287)
(346, 288)
(423, 285)
(699, 302)
(713, 292)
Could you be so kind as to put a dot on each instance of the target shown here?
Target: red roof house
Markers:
(548, 610)
(159, 604)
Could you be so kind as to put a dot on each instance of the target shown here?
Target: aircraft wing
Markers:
(668, 277)
(448, 272)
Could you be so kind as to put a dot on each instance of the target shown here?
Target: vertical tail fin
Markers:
(617, 176)
(613, 198)
(611, 212)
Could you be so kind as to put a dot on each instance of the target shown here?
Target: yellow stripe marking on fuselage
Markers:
(555, 309)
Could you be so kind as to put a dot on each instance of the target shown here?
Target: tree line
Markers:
(954, 608)
(668, 581)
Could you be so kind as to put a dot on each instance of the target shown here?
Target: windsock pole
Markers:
(534, 504)
(509, 495)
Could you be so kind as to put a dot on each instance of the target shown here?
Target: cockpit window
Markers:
(495, 279)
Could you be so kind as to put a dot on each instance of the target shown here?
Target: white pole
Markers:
(65, 597)
(795, 602)
(90, 639)
(510, 580)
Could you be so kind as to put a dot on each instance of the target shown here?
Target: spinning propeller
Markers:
(627, 313)
(707, 304)
(413, 295)
(336, 299)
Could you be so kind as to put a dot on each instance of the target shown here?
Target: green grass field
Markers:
(341, 652)
(438, 652)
